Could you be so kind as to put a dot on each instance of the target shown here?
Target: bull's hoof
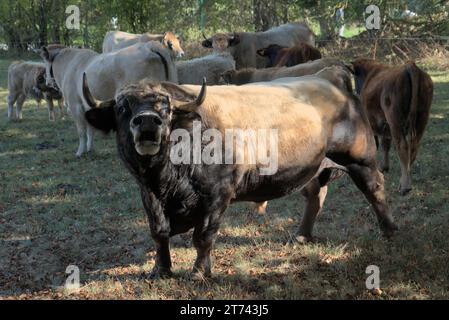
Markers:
(160, 273)
(199, 275)
(301, 240)
(389, 229)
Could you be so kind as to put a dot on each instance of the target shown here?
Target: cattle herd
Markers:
(266, 80)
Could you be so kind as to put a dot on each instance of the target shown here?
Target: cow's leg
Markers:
(315, 195)
(20, 101)
(371, 182)
(51, 109)
(90, 138)
(61, 108)
(386, 146)
(160, 232)
(11, 101)
(404, 153)
(81, 128)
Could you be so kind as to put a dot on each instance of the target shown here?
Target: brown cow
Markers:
(288, 57)
(398, 101)
(251, 75)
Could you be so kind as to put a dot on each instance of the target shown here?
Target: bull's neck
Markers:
(154, 174)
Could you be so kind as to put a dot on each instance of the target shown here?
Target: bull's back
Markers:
(116, 40)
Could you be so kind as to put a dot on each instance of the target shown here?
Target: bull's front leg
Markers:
(204, 237)
(160, 232)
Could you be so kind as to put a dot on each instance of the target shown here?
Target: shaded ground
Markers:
(56, 211)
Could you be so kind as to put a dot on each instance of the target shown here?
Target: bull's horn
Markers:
(193, 106)
(204, 36)
(90, 100)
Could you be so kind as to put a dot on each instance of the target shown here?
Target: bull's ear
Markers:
(102, 118)
(44, 54)
(207, 43)
(235, 40)
(350, 67)
(261, 52)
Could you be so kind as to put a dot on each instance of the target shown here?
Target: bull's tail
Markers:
(413, 73)
(169, 66)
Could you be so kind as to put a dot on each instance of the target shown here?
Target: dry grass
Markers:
(56, 210)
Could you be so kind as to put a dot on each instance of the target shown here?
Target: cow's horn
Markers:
(193, 106)
(204, 36)
(90, 100)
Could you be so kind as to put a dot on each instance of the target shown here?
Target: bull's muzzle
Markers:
(146, 128)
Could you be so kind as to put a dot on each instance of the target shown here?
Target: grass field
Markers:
(57, 211)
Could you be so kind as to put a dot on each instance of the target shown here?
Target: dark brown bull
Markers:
(315, 132)
(288, 57)
(398, 101)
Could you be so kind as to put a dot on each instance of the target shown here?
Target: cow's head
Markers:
(49, 54)
(143, 114)
(227, 77)
(172, 42)
(221, 42)
(271, 52)
(360, 69)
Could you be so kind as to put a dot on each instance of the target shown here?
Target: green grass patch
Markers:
(56, 210)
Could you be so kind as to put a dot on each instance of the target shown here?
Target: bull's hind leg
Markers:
(371, 182)
(386, 147)
(315, 193)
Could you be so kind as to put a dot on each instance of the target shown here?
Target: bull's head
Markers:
(142, 114)
(221, 42)
(171, 41)
(49, 54)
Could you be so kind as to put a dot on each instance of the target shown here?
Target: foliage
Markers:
(32, 23)
(56, 211)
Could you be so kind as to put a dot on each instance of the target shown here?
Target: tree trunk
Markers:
(86, 25)
(43, 39)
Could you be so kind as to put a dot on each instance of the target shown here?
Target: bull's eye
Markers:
(124, 107)
(170, 45)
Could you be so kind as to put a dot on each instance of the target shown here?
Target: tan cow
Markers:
(252, 75)
(340, 77)
(116, 40)
(27, 80)
(398, 100)
(210, 67)
(244, 45)
(107, 73)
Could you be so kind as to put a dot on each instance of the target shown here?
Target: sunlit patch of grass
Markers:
(56, 210)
